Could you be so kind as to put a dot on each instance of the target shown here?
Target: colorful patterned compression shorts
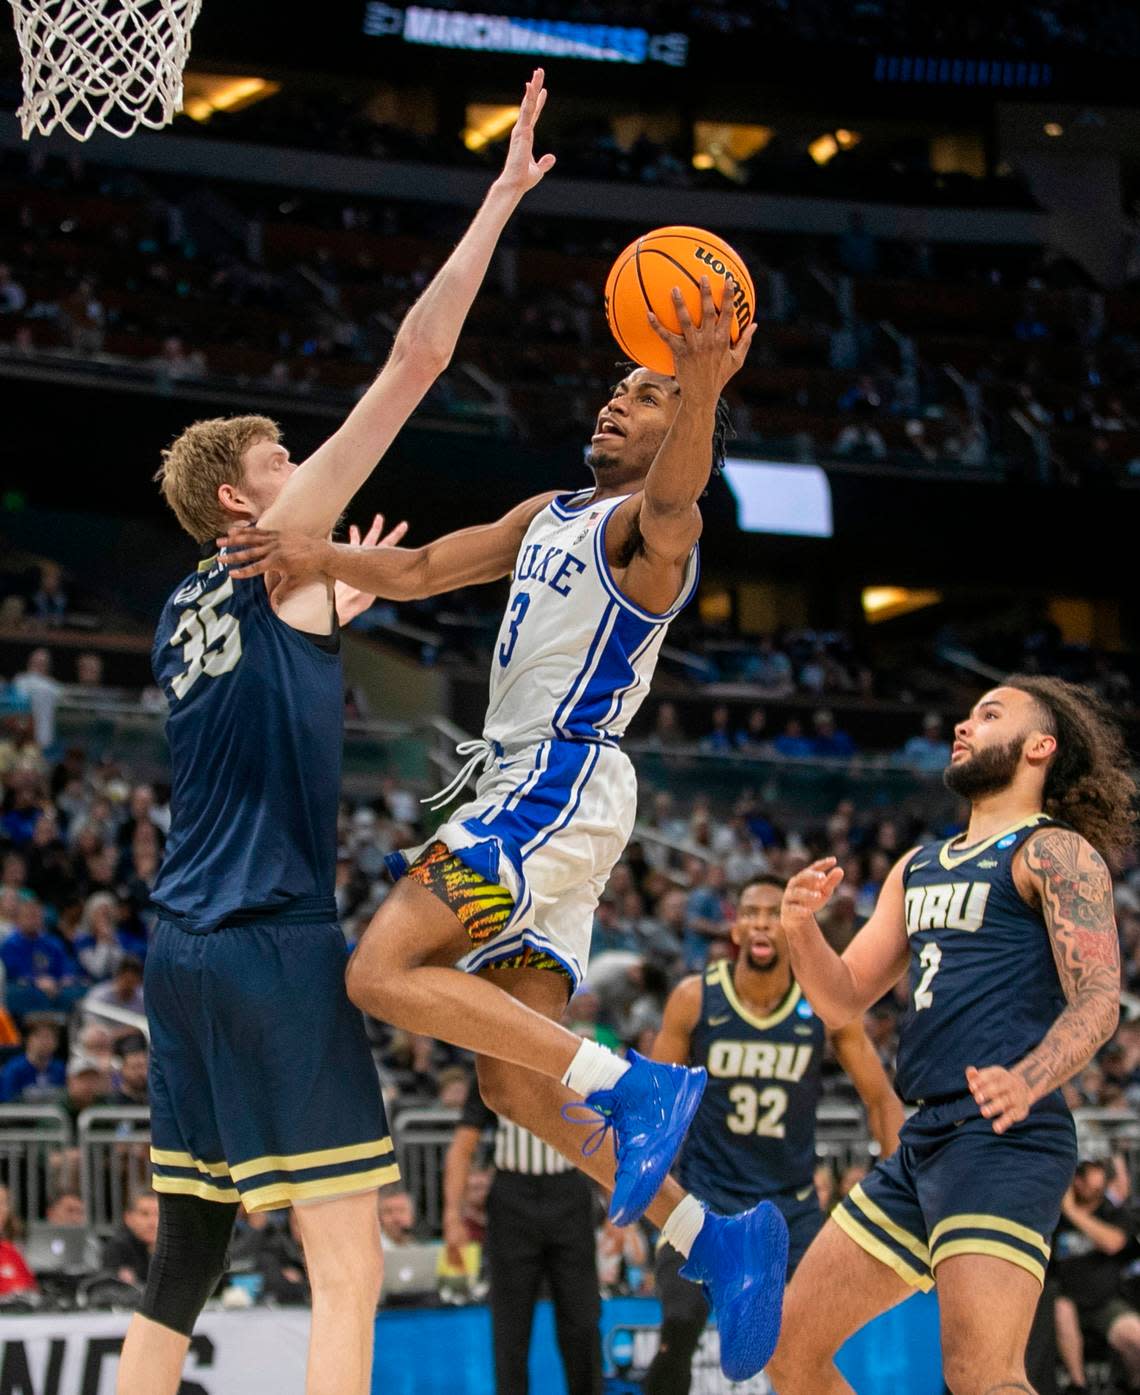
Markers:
(483, 908)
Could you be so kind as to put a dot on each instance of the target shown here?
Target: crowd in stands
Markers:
(80, 843)
(870, 352)
(800, 693)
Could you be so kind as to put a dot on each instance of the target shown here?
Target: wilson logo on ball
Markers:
(740, 303)
(643, 278)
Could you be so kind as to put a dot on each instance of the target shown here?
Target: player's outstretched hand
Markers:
(704, 356)
(807, 893)
(1002, 1095)
(375, 536)
(521, 171)
(253, 551)
(350, 601)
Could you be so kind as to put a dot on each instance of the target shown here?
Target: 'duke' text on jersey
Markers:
(536, 562)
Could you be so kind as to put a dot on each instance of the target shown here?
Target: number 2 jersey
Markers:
(575, 656)
(255, 727)
(754, 1134)
(984, 989)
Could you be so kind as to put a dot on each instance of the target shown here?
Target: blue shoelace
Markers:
(603, 1118)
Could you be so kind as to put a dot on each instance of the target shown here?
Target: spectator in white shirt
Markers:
(42, 693)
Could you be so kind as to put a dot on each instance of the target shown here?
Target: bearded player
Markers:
(507, 887)
(1010, 939)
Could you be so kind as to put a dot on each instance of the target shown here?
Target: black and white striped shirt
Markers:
(516, 1148)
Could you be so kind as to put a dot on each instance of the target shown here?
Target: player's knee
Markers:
(1124, 1334)
(973, 1372)
(340, 1284)
(348, 1274)
(372, 984)
(797, 1364)
(189, 1259)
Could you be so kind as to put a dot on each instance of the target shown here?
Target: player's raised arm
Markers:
(682, 1012)
(854, 1052)
(704, 359)
(317, 493)
(842, 987)
(466, 557)
(1070, 882)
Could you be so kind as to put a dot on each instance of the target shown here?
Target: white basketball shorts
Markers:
(547, 824)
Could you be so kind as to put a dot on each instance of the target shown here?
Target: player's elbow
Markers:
(836, 1016)
(671, 529)
(421, 353)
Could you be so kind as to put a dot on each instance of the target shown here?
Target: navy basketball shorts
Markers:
(262, 1084)
(955, 1187)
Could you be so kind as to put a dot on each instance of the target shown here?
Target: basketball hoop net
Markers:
(109, 64)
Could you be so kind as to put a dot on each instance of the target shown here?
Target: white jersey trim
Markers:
(684, 596)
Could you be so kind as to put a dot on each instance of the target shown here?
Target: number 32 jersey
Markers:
(255, 724)
(574, 657)
(983, 985)
(754, 1134)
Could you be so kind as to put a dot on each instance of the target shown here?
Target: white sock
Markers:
(593, 1068)
(684, 1224)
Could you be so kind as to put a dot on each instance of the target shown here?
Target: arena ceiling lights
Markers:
(889, 602)
(206, 93)
(487, 124)
(725, 146)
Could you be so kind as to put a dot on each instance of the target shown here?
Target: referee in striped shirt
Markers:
(540, 1225)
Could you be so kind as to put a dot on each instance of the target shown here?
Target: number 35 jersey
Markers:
(574, 656)
(754, 1134)
(255, 722)
(983, 986)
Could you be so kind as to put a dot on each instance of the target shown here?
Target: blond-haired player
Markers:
(262, 1085)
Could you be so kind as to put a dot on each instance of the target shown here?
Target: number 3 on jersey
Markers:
(931, 961)
(518, 609)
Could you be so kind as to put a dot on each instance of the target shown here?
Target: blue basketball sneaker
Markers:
(741, 1263)
(649, 1110)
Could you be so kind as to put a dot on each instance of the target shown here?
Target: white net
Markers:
(109, 64)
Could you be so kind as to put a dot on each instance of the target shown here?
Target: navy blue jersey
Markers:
(983, 986)
(255, 726)
(754, 1134)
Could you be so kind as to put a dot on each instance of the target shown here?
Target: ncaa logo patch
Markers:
(803, 1009)
(1008, 841)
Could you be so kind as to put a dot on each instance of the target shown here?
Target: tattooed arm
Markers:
(1068, 880)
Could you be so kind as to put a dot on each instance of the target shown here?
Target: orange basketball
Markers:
(643, 278)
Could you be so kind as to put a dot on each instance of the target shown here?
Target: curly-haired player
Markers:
(1014, 963)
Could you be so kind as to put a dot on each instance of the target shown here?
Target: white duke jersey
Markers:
(574, 657)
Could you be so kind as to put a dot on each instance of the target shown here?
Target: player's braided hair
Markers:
(1089, 784)
(723, 432)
